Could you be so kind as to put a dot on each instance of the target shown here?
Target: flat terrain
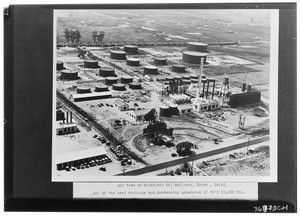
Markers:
(153, 25)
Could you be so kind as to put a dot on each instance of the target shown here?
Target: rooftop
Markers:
(184, 106)
(141, 112)
(78, 96)
(80, 154)
(119, 102)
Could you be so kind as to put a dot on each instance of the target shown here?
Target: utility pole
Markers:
(124, 169)
(248, 144)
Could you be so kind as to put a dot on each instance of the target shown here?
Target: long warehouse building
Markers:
(78, 157)
(91, 96)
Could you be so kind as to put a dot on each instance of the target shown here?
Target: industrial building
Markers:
(118, 55)
(92, 64)
(197, 46)
(131, 49)
(121, 105)
(107, 72)
(133, 61)
(66, 126)
(76, 158)
(242, 99)
(60, 115)
(60, 65)
(185, 108)
(69, 75)
(91, 96)
(137, 115)
(150, 70)
(193, 57)
(201, 104)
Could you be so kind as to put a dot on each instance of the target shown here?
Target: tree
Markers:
(154, 129)
(151, 116)
(184, 148)
(67, 34)
(186, 167)
(94, 36)
(100, 37)
(77, 36)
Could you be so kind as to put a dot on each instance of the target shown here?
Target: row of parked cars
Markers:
(121, 155)
(97, 161)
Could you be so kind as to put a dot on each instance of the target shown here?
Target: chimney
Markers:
(213, 92)
(200, 77)
(244, 87)
(249, 88)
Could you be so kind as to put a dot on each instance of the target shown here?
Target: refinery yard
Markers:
(132, 109)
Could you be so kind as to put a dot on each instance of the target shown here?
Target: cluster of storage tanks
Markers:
(66, 74)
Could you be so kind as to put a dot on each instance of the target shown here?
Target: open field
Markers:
(152, 25)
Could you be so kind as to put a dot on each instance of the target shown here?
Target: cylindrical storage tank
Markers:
(135, 86)
(164, 111)
(69, 75)
(133, 62)
(83, 89)
(194, 76)
(193, 57)
(60, 65)
(174, 110)
(249, 87)
(110, 80)
(167, 82)
(178, 68)
(194, 81)
(92, 64)
(169, 78)
(118, 55)
(186, 81)
(126, 79)
(177, 77)
(107, 72)
(244, 87)
(132, 49)
(150, 70)
(160, 61)
(119, 87)
(226, 80)
(186, 77)
(101, 88)
(197, 46)
(203, 80)
(203, 76)
(210, 79)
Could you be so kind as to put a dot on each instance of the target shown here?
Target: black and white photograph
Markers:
(150, 107)
(167, 94)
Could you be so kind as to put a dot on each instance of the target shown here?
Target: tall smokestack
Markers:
(70, 117)
(200, 77)
(67, 117)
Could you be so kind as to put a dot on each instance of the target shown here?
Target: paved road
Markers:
(195, 157)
